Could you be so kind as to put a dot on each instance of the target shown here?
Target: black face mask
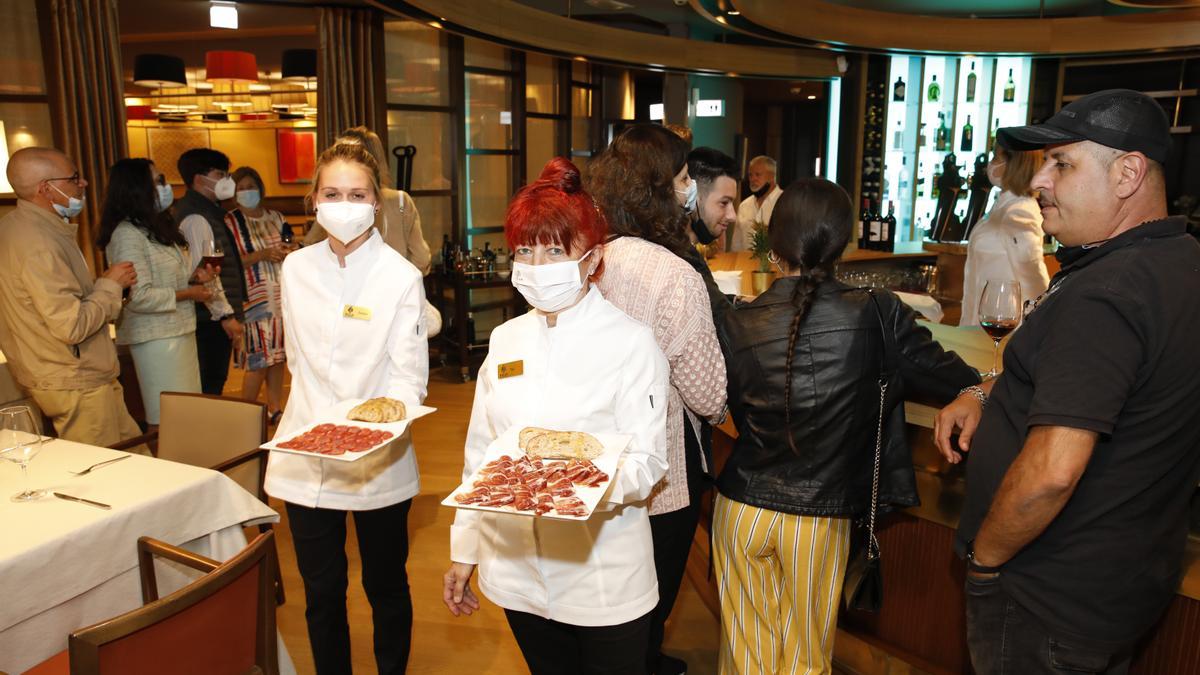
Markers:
(760, 192)
(703, 235)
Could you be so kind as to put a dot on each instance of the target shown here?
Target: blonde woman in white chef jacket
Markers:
(578, 595)
(352, 311)
(1007, 243)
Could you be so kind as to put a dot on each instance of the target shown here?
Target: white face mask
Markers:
(73, 207)
(344, 221)
(995, 173)
(164, 198)
(224, 188)
(551, 287)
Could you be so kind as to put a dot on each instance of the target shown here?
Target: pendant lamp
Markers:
(159, 71)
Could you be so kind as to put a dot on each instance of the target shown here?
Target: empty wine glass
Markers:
(20, 440)
(999, 314)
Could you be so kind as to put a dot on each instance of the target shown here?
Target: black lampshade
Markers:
(299, 64)
(159, 70)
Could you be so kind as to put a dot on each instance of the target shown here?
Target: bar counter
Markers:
(922, 627)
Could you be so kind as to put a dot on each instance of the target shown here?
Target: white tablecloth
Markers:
(65, 565)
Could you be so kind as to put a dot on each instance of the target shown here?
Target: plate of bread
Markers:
(544, 473)
(352, 429)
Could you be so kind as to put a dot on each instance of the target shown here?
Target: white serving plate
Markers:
(337, 415)
(507, 444)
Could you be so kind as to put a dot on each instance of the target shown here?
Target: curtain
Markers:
(350, 73)
(87, 100)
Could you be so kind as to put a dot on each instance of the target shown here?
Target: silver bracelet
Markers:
(976, 391)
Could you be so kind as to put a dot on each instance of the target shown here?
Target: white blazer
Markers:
(599, 371)
(352, 332)
(1006, 244)
(749, 214)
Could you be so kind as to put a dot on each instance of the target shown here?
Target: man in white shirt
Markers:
(755, 209)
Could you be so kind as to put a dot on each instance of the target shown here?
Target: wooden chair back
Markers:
(216, 432)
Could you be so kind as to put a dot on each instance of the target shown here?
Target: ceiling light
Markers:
(812, 97)
(223, 14)
(733, 12)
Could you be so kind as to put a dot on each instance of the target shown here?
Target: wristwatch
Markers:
(976, 567)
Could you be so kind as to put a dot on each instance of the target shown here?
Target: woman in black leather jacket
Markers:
(804, 367)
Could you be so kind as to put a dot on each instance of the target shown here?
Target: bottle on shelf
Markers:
(992, 136)
(968, 136)
(888, 230)
(864, 223)
(902, 178)
(447, 254)
(971, 84)
(899, 89)
(875, 232)
(1010, 88)
(921, 135)
(935, 90)
(937, 177)
(898, 136)
(941, 140)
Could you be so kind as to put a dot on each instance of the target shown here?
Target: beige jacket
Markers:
(53, 317)
(400, 224)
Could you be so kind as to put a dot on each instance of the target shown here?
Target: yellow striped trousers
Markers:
(780, 580)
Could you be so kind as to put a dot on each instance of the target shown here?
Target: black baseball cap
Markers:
(1121, 119)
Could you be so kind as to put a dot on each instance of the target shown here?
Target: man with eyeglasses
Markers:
(53, 317)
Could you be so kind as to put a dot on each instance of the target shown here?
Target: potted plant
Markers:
(760, 248)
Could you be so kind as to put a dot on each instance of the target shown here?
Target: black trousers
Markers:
(673, 533)
(319, 536)
(1005, 639)
(213, 348)
(554, 648)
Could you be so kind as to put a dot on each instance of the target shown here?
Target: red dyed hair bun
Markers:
(561, 173)
(555, 210)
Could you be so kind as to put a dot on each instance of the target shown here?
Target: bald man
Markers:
(53, 317)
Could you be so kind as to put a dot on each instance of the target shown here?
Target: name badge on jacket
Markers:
(510, 369)
(360, 313)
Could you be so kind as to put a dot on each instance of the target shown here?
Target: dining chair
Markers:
(221, 624)
(221, 433)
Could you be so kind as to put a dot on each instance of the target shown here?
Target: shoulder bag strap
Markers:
(872, 542)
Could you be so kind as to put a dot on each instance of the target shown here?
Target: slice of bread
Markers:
(529, 433)
(564, 445)
(378, 410)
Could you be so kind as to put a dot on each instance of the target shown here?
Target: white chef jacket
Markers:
(1005, 244)
(334, 357)
(749, 215)
(598, 371)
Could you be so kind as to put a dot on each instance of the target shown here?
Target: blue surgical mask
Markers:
(689, 194)
(73, 207)
(249, 198)
(164, 198)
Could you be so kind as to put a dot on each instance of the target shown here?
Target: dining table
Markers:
(69, 564)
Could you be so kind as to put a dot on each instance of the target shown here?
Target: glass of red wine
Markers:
(211, 254)
(999, 314)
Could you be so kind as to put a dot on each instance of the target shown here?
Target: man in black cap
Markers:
(1085, 452)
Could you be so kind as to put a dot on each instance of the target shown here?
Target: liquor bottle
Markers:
(971, 84)
(935, 90)
(1010, 88)
(889, 229)
(902, 178)
(937, 177)
(920, 179)
(992, 136)
(864, 223)
(941, 140)
(898, 137)
(921, 135)
(899, 89)
(875, 232)
(968, 136)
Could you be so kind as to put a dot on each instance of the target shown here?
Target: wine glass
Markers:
(999, 314)
(211, 254)
(20, 440)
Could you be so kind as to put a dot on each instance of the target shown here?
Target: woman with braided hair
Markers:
(804, 367)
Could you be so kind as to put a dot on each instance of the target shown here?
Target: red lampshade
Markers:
(229, 66)
(139, 112)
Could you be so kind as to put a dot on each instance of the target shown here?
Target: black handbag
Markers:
(862, 588)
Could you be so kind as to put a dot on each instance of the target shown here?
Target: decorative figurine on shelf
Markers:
(946, 224)
(981, 188)
(760, 249)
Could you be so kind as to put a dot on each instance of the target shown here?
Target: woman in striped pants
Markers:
(805, 363)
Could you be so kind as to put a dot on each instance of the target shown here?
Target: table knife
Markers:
(81, 500)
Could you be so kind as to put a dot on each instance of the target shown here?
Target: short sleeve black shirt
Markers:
(1114, 347)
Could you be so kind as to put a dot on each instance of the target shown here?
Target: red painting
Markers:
(297, 155)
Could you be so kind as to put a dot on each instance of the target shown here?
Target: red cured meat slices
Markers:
(333, 439)
(570, 506)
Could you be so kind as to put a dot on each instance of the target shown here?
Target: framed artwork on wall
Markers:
(166, 145)
(297, 150)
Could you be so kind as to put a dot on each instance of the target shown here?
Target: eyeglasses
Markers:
(74, 178)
